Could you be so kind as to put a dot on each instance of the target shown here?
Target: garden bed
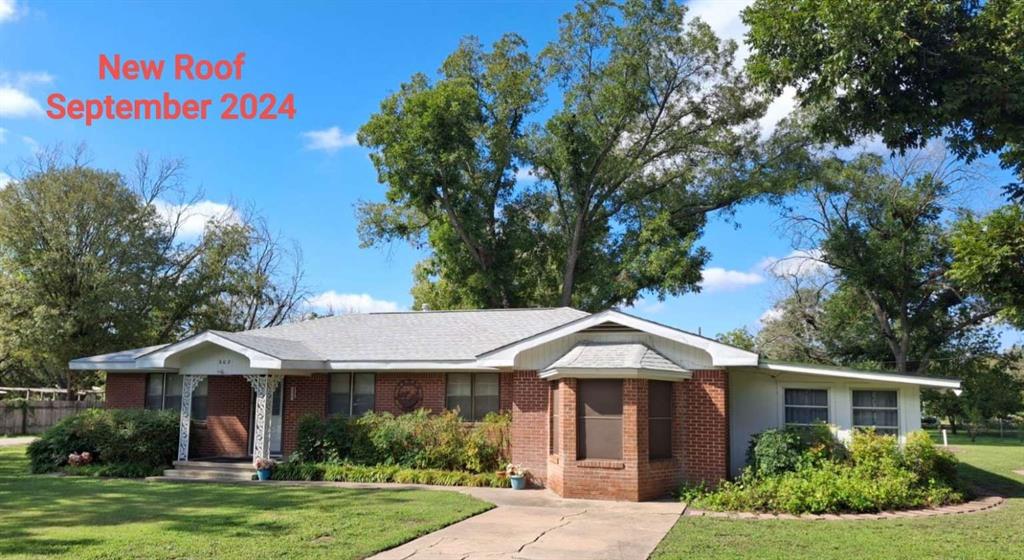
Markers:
(806, 471)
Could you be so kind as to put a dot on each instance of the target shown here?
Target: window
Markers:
(659, 419)
(351, 394)
(163, 392)
(805, 407)
(876, 409)
(472, 394)
(599, 420)
(555, 446)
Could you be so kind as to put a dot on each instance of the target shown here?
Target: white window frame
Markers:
(163, 393)
(899, 413)
(829, 404)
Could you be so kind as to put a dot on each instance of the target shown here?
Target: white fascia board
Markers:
(721, 354)
(614, 373)
(257, 360)
(865, 375)
(112, 367)
(385, 365)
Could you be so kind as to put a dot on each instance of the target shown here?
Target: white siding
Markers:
(210, 359)
(544, 355)
(756, 397)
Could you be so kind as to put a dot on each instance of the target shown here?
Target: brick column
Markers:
(705, 427)
(302, 396)
(530, 423)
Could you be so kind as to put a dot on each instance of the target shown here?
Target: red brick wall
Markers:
(606, 479)
(227, 421)
(432, 385)
(302, 396)
(662, 476)
(706, 426)
(530, 423)
(125, 390)
(505, 390)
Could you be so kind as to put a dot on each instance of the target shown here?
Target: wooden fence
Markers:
(34, 417)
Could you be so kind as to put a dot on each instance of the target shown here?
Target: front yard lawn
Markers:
(78, 518)
(989, 462)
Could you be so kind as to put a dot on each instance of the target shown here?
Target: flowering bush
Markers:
(80, 459)
(262, 464)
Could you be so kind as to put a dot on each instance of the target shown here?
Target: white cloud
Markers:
(15, 103)
(195, 217)
(724, 18)
(718, 279)
(31, 143)
(5, 180)
(797, 264)
(329, 140)
(332, 301)
(772, 314)
(9, 10)
(525, 174)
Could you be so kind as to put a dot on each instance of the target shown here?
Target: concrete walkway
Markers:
(20, 440)
(538, 525)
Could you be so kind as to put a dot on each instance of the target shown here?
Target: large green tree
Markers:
(908, 70)
(448, 151)
(881, 228)
(88, 264)
(655, 130)
(988, 258)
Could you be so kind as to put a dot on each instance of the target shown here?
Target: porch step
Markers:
(209, 470)
(204, 474)
(240, 465)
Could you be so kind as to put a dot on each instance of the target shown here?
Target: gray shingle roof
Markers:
(409, 336)
(615, 355)
(123, 356)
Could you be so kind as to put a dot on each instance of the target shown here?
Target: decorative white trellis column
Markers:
(264, 386)
(188, 385)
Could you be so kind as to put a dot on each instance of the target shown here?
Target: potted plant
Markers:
(263, 468)
(517, 475)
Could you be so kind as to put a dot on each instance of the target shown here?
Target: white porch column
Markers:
(264, 386)
(188, 385)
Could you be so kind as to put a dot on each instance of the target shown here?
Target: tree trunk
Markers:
(572, 257)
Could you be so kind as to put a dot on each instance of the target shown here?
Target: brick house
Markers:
(603, 405)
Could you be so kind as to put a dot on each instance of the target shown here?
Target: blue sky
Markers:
(339, 60)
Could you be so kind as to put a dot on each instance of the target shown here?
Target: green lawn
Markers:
(73, 517)
(989, 462)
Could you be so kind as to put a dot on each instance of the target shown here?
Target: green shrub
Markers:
(774, 452)
(873, 451)
(921, 456)
(418, 440)
(347, 472)
(874, 474)
(141, 440)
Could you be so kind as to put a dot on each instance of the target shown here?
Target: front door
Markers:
(276, 420)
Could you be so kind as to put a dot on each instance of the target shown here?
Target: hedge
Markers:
(129, 443)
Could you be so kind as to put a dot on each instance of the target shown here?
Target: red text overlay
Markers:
(227, 106)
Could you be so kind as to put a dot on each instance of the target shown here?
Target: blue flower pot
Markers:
(518, 482)
(263, 474)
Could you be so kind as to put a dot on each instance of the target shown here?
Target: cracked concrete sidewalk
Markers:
(538, 525)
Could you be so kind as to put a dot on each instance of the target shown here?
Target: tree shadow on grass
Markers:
(989, 483)
(199, 510)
